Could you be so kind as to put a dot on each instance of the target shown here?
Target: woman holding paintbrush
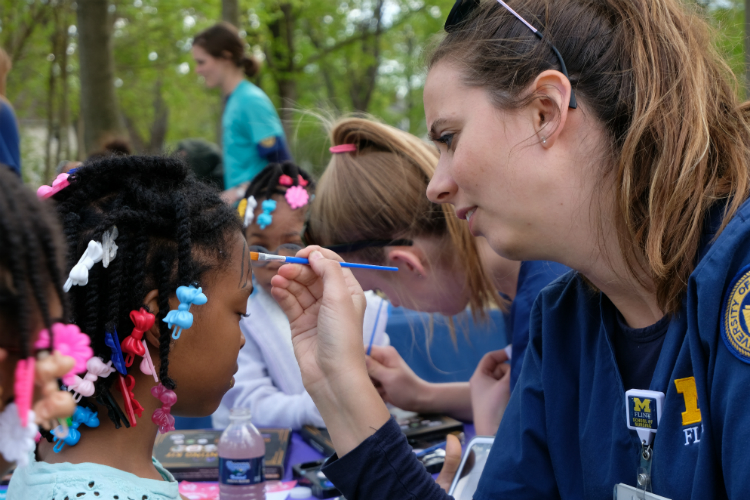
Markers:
(613, 142)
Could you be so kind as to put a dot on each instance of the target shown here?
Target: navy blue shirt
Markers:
(10, 141)
(533, 276)
(637, 351)
(564, 432)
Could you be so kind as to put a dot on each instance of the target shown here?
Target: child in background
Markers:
(268, 379)
(148, 241)
(30, 300)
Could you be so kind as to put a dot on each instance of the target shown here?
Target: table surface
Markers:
(300, 452)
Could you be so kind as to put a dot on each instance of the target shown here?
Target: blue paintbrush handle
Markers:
(300, 260)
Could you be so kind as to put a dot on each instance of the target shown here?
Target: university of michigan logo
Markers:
(642, 412)
(735, 326)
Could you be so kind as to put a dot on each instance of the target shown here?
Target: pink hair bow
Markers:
(23, 388)
(60, 183)
(285, 180)
(343, 148)
(85, 386)
(69, 341)
(162, 416)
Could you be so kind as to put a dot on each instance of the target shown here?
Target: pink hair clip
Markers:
(147, 364)
(343, 148)
(285, 180)
(85, 386)
(297, 197)
(23, 387)
(162, 416)
(60, 183)
(68, 341)
(301, 181)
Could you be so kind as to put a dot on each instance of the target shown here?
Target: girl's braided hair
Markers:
(30, 260)
(172, 230)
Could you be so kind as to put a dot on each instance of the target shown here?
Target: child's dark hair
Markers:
(172, 229)
(30, 258)
(266, 183)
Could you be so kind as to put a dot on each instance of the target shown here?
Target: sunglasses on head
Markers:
(461, 11)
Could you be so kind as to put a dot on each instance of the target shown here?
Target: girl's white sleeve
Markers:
(270, 406)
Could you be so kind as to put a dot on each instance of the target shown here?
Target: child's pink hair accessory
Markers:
(23, 387)
(69, 341)
(343, 148)
(85, 386)
(60, 183)
(162, 416)
(297, 197)
(285, 180)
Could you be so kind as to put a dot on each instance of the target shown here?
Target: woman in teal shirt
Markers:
(252, 135)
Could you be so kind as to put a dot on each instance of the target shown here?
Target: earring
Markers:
(544, 141)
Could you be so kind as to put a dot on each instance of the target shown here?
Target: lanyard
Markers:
(643, 412)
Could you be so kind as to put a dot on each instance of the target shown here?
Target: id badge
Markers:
(625, 492)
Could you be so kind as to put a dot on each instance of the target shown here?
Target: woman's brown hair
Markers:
(647, 71)
(379, 193)
(222, 41)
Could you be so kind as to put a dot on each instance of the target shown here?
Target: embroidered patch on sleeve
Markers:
(735, 325)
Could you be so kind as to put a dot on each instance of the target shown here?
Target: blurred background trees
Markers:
(131, 59)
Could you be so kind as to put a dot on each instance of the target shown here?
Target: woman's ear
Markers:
(550, 110)
(406, 259)
(152, 302)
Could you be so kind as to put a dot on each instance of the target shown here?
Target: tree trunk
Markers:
(747, 49)
(230, 12)
(282, 61)
(51, 94)
(64, 108)
(98, 100)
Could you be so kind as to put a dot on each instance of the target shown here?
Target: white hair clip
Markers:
(252, 204)
(109, 246)
(79, 275)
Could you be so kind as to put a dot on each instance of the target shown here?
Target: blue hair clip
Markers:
(81, 416)
(265, 219)
(181, 317)
(112, 341)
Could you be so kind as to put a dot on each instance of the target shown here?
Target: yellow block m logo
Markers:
(644, 406)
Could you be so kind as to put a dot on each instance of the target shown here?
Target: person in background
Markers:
(268, 380)
(112, 147)
(252, 135)
(10, 140)
(371, 207)
(204, 159)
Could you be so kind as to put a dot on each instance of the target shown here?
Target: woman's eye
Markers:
(446, 139)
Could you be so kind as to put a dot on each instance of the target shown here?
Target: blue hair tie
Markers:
(265, 219)
(181, 318)
(81, 416)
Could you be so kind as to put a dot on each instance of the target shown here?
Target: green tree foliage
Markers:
(320, 57)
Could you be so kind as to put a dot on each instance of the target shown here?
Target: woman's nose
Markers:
(442, 187)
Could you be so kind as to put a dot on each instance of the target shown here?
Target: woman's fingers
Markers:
(452, 461)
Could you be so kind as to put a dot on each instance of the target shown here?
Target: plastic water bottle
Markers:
(242, 454)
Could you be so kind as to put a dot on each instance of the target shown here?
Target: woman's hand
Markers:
(395, 381)
(325, 306)
(490, 392)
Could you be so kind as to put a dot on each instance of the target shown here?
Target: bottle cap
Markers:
(239, 413)
(300, 492)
